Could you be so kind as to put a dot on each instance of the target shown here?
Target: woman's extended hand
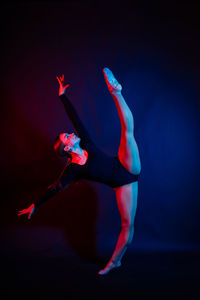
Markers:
(28, 211)
(62, 88)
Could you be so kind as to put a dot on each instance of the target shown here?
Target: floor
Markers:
(142, 276)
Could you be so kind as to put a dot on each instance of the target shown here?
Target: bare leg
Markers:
(127, 204)
(129, 157)
(128, 150)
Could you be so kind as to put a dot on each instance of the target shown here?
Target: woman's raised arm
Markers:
(72, 113)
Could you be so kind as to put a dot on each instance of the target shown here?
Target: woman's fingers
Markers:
(66, 86)
(21, 212)
(58, 80)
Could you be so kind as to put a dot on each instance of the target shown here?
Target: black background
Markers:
(153, 49)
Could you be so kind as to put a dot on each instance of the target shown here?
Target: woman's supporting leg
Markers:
(127, 205)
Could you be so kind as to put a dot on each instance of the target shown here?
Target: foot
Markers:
(111, 81)
(111, 265)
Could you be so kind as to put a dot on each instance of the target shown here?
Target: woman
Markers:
(85, 160)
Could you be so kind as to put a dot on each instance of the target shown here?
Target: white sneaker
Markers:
(111, 81)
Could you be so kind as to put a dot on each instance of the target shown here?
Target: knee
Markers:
(128, 125)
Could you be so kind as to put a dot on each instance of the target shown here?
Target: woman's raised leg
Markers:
(128, 150)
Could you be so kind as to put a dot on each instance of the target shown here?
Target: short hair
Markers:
(66, 153)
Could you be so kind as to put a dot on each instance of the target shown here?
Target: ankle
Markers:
(115, 92)
(116, 262)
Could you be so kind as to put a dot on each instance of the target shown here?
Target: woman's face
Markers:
(67, 142)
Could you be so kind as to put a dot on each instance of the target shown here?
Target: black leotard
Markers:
(98, 167)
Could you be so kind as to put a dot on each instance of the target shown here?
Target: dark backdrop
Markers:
(154, 52)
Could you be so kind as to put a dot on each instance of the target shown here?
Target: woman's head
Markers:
(66, 143)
